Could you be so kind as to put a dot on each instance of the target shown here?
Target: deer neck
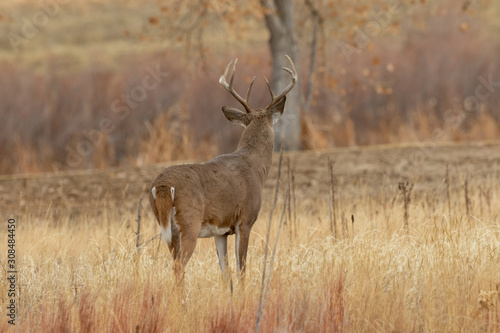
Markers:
(257, 144)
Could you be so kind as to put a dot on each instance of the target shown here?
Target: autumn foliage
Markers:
(75, 92)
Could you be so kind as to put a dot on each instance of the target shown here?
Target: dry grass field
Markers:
(79, 269)
(405, 237)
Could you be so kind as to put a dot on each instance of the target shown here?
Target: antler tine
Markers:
(229, 86)
(269, 87)
(232, 72)
(293, 73)
(249, 90)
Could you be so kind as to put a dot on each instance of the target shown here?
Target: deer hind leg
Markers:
(221, 245)
(188, 235)
(175, 246)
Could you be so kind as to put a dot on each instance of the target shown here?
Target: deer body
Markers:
(223, 196)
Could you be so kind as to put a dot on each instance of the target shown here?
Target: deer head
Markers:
(273, 110)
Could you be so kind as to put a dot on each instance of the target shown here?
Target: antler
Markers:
(293, 73)
(229, 87)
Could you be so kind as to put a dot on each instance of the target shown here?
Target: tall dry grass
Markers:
(84, 273)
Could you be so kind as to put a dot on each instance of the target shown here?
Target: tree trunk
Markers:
(281, 24)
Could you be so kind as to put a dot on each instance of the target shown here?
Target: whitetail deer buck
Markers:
(223, 196)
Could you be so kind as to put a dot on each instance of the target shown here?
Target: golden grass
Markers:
(84, 274)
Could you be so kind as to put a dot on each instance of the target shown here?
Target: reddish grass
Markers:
(297, 312)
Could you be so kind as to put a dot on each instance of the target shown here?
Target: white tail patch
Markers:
(166, 233)
(153, 192)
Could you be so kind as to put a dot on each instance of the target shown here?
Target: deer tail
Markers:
(164, 203)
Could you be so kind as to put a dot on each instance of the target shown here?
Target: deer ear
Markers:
(235, 116)
(277, 109)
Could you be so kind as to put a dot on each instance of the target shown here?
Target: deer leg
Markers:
(221, 245)
(175, 246)
(188, 238)
(241, 246)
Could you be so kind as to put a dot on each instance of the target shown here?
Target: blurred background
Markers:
(96, 84)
